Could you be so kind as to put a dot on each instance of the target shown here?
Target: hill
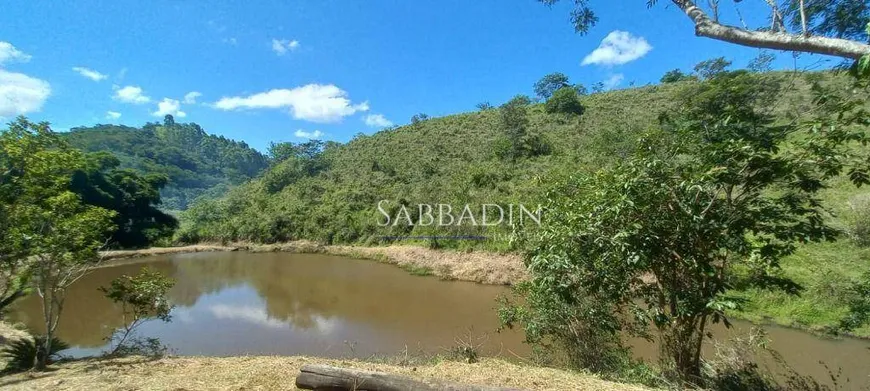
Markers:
(195, 162)
(331, 192)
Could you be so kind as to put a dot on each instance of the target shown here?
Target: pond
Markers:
(234, 303)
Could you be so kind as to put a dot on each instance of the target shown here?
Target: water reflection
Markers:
(277, 303)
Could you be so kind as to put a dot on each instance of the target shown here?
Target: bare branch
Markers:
(804, 19)
(705, 27)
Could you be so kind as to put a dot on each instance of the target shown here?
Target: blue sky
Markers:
(274, 70)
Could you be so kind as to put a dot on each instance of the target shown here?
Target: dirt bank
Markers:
(482, 267)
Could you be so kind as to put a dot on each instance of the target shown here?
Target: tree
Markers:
(833, 28)
(565, 100)
(707, 69)
(762, 63)
(709, 201)
(549, 84)
(514, 123)
(675, 75)
(417, 118)
(598, 88)
(483, 106)
(142, 297)
(56, 234)
(134, 198)
(168, 121)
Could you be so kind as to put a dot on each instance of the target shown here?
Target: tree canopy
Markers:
(193, 162)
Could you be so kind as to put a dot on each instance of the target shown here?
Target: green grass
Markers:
(418, 270)
(825, 270)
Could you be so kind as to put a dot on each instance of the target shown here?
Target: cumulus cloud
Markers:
(377, 121)
(249, 314)
(282, 46)
(613, 81)
(9, 53)
(617, 48)
(90, 73)
(190, 97)
(21, 94)
(309, 135)
(131, 94)
(113, 115)
(169, 106)
(312, 102)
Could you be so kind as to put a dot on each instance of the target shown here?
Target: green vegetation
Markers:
(60, 206)
(50, 236)
(330, 193)
(21, 354)
(709, 203)
(141, 297)
(193, 162)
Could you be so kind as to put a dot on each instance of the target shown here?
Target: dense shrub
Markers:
(564, 101)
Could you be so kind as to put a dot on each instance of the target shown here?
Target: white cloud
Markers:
(312, 102)
(377, 121)
(90, 73)
(613, 81)
(249, 314)
(113, 115)
(169, 106)
(309, 135)
(21, 94)
(617, 48)
(10, 53)
(282, 46)
(131, 94)
(190, 97)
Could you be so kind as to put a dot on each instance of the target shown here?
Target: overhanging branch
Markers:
(705, 27)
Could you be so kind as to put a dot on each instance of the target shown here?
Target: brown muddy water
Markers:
(237, 303)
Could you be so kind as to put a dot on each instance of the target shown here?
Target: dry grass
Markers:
(122, 254)
(9, 333)
(481, 267)
(267, 373)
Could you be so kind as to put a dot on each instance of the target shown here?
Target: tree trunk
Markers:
(323, 377)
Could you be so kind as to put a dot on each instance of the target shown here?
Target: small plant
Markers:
(21, 354)
(858, 299)
(467, 348)
(859, 226)
(142, 297)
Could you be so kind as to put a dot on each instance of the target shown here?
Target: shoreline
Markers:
(279, 372)
(478, 266)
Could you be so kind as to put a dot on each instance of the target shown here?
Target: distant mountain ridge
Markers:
(195, 162)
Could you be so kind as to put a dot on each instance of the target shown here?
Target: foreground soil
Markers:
(477, 266)
(272, 373)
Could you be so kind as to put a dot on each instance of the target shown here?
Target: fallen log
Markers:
(327, 378)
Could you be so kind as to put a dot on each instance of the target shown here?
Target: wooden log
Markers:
(327, 378)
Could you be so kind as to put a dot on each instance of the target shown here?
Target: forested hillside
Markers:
(195, 162)
(330, 192)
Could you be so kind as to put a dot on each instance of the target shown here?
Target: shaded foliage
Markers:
(21, 354)
(192, 161)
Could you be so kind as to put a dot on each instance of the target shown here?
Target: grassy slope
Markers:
(451, 159)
